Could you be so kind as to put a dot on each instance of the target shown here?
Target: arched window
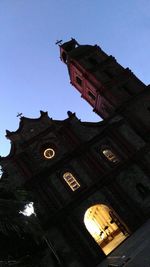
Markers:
(91, 95)
(71, 181)
(110, 155)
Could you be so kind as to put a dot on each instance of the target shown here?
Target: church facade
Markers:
(91, 181)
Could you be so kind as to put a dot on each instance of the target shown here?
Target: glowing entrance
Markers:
(105, 227)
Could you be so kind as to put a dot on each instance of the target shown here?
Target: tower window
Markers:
(71, 181)
(93, 97)
(79, 81)
(110, 155)
(64, 57)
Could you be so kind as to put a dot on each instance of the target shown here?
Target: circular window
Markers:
(49, 153)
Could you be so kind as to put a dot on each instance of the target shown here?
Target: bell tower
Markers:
(101, 81)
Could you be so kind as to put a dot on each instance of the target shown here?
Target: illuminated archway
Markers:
(105, 227)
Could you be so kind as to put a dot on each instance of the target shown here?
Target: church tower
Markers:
(108, 87)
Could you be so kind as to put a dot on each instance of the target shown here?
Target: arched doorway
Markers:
(105, 227)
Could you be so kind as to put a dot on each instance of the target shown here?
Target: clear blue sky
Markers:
(32, 77)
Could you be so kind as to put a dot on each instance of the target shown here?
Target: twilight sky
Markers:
(32, 77)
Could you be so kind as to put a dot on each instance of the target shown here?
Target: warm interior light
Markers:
(105, 227)
(49, 153)
(92, 227)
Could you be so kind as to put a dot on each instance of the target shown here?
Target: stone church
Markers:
(91, 180)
